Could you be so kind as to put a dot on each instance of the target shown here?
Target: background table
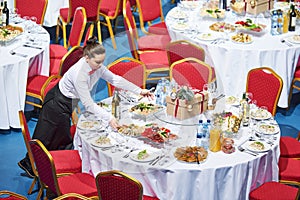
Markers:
(52, 11)
(233, 61)
(222, 176)
(14, 70)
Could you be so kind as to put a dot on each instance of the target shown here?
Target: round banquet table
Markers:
(31, 57)
(231, 60)
(222, 176)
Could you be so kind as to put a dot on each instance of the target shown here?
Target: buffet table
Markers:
(233, 60)
(221, 176)
(25, 56)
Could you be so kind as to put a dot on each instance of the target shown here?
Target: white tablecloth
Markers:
(14, 70)
(52, 11)
(233, 61)
(222, 176)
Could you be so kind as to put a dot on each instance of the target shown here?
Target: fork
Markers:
(127, 155)
(17, 54)
(285, 42)
(244, 150)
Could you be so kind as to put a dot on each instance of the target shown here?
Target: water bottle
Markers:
(274, 23)
(158, 92)
(205, 139)
(199, 133)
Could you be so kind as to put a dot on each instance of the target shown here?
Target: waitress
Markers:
(53, 126)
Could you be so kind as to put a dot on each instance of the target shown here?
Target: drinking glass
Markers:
(33, 19)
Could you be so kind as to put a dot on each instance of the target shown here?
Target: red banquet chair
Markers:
(36, 85)
(192, 72)
(36, 8)
(110, 10)
(66, 161)
(8, 195)
(76, 34)
(66, 16)
(266, 86)
(275, 191)
(150, 10)
(80, 183)
(296, 81)
(154, 57)
(131, 69)
(290, 147)
(116, 185)
(289, 171)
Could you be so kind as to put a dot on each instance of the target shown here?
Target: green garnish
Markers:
(141, 155)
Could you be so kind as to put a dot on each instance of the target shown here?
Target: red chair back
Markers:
(129, 68)
(180, 49)
(73, 55)
(45, 166)
(115, 185)
(78, 27)
(88, 34)
(191, 72)
(51, 83)
(36, 8)
(149, 9)
(265, 86)
(111, 8)
(91, 8)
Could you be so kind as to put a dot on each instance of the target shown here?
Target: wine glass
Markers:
(33, 19)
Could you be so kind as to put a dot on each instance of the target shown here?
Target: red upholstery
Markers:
(131, 69)
(289, 169)
(150, 10)
(72, 57)
(266, 86)
(64, 13)
(51, 84)
(274, 191)
(37, 9)
(115, 185)
(88, 34)
(35, 84)
(297, 72)
(8, 195)
(289, 147)
(155, 59)
(109, 7)
(150, 42)
(80, 183)
(55, 65)
(73, 130)
(57, 51)
(192, 72)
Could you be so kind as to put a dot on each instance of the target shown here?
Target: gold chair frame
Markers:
(13, 194)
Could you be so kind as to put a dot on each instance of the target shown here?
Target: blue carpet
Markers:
(12, 148)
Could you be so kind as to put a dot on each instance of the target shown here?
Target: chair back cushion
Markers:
(53, 80)
(149, 9)
(191, 72)
(78, 27)
(265, 86)
(36, 8)
(73, 55)
(110, 8)
(88, 34)
(114, 185)
(178, 50)
(44, 165)
(91, 8)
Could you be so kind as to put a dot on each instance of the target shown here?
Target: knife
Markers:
(160, 157)
(29, 46)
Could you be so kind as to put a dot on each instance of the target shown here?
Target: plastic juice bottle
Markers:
(215, 139)
(285, 28)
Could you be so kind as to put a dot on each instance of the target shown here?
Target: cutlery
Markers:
(127, 155)
(29, 46)
(17, 54)
(196, 154)
(244, 150)
(285, 42)
(158, 159)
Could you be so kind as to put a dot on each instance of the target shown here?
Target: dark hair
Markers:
(93, 47)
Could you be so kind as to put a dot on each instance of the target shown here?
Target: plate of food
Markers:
(104, 141)
(132, 130)
(143, 156)
(9, 33)
(294, 39)
(158, 134)
(207, 36)
(247, 26)
(213, 13)
(267, 128)
(258, 146)
(241, 38)
(191, 154)
(260, 114)
(145, 109)
(89, 125)
(220, 27)
(233, 101)
(178, 14)
(180, 26)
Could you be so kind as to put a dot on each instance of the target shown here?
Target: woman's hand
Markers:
(114, 123)
(147, 93)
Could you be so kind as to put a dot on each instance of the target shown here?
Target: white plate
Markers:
(233, 101)
(267, 128)
(207, 36)
(249, 146)
(242, 42)
(294, 39)
(260, 114)
(178, 14)
(152, 156)
(111, 142)
(89, 125)
(180, 26)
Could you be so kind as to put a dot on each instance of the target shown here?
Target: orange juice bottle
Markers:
(215, 139)
(285, 28)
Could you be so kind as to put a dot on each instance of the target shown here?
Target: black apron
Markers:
(53, 126)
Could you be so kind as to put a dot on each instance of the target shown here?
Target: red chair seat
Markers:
(159, 29)
(61, 161)
(149, 198)
(156, 42)
(289, 147)
(57, 51)
(109, 12)
(54, 66)
(63, 12)
(155, 59)
(289, 169)
(73, 130)
(87, 188)
(297, 72)
(274, 191)
(35, 83)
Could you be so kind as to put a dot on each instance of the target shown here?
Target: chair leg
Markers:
(32, 185)
(111, 33)
(99, 31)
(40, 192)
(64, 29)
(57, 30)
